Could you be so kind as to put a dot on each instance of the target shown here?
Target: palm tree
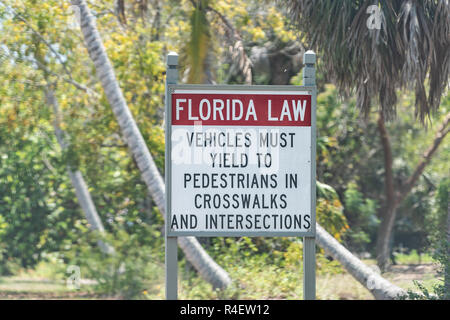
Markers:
(76, 177)
(409, 45)
(198, 50)
(376, 284)
(207, 268)
(411, 49)
(195, 254)
(199, 53)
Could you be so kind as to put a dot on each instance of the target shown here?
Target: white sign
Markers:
(240, 162)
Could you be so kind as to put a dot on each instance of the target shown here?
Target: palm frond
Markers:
(199, 44)
(240, 61)
(412, 45)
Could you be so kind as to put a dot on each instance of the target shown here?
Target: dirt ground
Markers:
(345, 287)
(410, 272)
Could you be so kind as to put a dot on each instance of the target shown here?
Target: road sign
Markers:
(240, 160)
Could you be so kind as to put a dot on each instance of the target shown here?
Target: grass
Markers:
(29, 288)
(256, 280)
(413, 258)
(31, 285)
(262, 281)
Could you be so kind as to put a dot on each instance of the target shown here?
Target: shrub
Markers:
(131, 272)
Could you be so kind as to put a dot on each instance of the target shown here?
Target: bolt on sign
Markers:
(240, 160)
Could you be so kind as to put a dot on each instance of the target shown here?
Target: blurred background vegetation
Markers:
(42, 227)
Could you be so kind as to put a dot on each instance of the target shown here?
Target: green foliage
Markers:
(436, 221)
(199, 43)
(37, 205)
(423, 294)
(343, 136)
(329, 210)
(437, 224)
(362, 216)
(41, 223)
(3, 225)
(413, 257)
(438, 291)
(439, 238)
(257, 274)
(349, 155)
(284, 253)
(132, 272)
(51, 266)
(255, 279)
(37, 199)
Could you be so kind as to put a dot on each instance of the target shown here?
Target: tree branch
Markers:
(240, 58)
(41, 37)
(81, 189)
(76, 84)
(426, 158)
(69, 78)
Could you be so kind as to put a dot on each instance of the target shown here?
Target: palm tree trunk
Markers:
(86, 203)
(195, 254)
(81, 189)
(376, 284)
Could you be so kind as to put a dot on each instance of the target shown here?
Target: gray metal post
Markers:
(171, 242)
(309, 247)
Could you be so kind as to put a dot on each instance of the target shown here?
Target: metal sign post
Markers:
(171, 241)
(309, 246)
(241, 162)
